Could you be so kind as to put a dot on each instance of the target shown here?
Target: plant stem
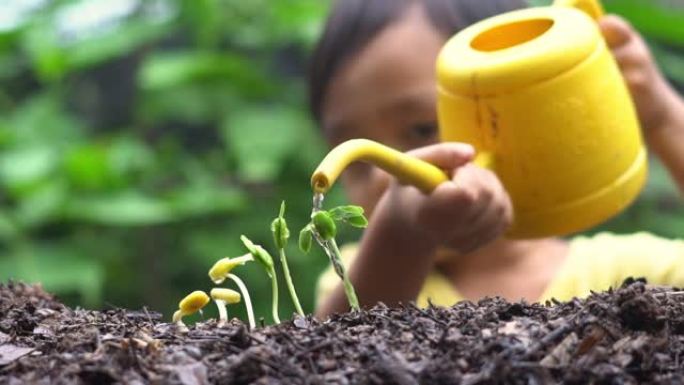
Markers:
(336, 260)
(274, 289)
(288, 281)
(223, 314)
(245, 296)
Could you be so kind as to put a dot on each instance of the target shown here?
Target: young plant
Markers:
(281, 235)
(191, 304)
(222, 270)
(323, 229)
(266, 261)
(223, 297)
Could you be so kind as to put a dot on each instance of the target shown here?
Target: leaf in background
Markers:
(162, 71)
(124, 209)
(261, 139)
(87, 167)
(120, 42)
(204, 18)
(299, 20)
(43, 120)
(656, 19)
(204, 200)
(48, 59)
(42, 205)
(129, 156)
(58, 268)
(22, 169)
(8, 229)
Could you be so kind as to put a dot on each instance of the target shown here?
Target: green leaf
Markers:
(43, 204)
(660, 20)
(359, 221)
(125, 209)
(8, 229)
(261, 139)
(279, 229)
(305, 239)
(198, 200)
(88, 167)
(22, 169)
(324, 225)
(162, 71)
(59, 269)
(260, 254)
(340, 213)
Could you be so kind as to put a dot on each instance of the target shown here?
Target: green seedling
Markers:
(305, 238)
(222, 270)
(281, 234)
(191, 304)
(266, 261)
(223, 297)
(323, 229)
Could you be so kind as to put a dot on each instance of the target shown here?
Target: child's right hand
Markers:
(463, 214)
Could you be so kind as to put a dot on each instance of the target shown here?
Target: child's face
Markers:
(386, 93)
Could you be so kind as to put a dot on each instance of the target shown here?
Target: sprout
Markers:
(224, 266)
(192, 303)
(223, 297)
(281, 234)
(322, 227)
(305, 239)
(222, 270)
(266, 261)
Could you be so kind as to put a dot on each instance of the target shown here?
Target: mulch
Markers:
(632, 335)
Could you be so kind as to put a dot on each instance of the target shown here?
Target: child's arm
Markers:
(660, 108)
(397, 250)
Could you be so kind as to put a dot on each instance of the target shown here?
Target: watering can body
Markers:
(538, 92)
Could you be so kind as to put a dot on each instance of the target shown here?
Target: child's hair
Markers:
(353, 23)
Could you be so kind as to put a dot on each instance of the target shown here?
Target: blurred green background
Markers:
(139, 139)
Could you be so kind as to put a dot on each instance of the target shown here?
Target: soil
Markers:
(632, 335)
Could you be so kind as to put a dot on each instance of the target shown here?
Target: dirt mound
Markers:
(631, 335)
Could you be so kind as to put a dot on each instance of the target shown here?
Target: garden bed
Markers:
(632, 335)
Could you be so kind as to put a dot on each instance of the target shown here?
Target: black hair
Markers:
(353, 23)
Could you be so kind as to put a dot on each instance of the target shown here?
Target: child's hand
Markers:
(651, 93)
(463, 214)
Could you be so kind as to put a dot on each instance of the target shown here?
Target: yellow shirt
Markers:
(593, 263)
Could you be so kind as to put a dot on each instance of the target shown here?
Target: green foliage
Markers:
(137, 144)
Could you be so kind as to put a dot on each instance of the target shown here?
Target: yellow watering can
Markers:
(540, 97)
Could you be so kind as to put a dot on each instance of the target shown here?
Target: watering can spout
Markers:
(592, 8)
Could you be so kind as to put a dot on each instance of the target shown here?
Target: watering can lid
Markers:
(515, 50)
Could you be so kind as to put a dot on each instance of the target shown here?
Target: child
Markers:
(373, 76)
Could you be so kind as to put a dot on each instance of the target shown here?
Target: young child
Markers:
(373, 76)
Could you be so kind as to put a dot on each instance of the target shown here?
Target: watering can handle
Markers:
(592, 8)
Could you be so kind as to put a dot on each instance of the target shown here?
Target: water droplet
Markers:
(317, 202)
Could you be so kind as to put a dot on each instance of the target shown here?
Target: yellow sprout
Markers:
(223, 297)
(224, 266)
(191, 304)
(226, 295)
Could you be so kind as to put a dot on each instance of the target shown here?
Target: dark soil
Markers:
(628, 336)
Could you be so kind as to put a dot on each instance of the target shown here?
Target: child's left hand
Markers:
(651, 93)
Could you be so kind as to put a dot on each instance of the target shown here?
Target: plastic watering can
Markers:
(539, 95)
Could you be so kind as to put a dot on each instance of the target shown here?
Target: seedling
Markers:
(266, 261)
(223, 297)
(222, 267)
(323, 228)
(222, 270)
(191, 304)
(281, 235)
